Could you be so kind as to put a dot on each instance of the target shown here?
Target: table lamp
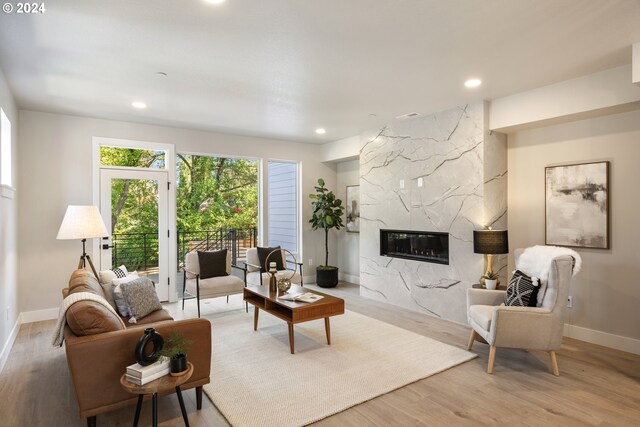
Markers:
(490, 242)
(82, 222)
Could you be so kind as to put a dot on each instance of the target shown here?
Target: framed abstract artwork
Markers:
(577, 205)
(353, 208)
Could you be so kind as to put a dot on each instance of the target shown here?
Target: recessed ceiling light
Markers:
(473, 83)
(321, 131)
(215, 1)
(139, 105)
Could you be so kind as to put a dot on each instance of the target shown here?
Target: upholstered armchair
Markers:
(534, 328)
(254, 277)
(212, 287)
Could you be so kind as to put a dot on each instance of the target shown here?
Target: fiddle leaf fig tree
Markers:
(327, 213)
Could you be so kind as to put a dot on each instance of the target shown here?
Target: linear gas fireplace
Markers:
(427, 246)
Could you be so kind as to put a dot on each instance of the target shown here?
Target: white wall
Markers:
(342, 149)
(55, 170)
(606, 92)
(348, 243)
(606, 293)
(9, 310)
(636, 63)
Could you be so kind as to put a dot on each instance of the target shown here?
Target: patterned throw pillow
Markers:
(141, 297)
(107, 276)
(522, 290)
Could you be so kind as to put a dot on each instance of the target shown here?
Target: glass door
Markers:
(134, 206)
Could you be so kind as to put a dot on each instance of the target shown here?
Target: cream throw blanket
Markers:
(58, 333)
(536, 260)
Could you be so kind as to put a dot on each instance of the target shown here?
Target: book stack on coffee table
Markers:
(141, 375)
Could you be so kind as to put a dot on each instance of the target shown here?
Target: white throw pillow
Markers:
(107, 276)
(121, 302)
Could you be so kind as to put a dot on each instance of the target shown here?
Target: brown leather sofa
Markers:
(99, 349)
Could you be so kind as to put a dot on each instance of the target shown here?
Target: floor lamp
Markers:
(82, 222)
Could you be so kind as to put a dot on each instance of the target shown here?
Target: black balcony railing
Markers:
(139, 251)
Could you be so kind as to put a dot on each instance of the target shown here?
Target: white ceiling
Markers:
(282, 68)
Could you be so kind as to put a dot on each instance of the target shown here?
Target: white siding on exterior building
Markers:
(283, 205)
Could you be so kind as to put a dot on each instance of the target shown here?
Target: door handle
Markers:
(107, 246)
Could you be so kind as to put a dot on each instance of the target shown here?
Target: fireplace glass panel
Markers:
(416, 245)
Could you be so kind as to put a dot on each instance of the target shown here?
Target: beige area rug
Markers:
(256, 381)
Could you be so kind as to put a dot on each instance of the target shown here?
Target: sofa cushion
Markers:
(84, 281)
(482, 315)
(156, 316)
(263, 253)
(216, 286)
(141, 298)
(91, 318)
(212, 263)
(106, 278)
(118, 298)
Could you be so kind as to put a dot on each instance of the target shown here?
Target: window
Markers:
(5, 150)
(132, 157)
(283, 205)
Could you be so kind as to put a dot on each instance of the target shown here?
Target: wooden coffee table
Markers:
(293, 312)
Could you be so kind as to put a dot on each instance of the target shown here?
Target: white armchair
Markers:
(534, 328)
(212, 287)
(254, 277)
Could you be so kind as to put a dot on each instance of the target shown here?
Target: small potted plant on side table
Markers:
(176, 348)
(491, 280)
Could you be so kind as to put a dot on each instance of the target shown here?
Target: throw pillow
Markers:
(118, 298)
(141, 297)
(522, 290)
(263, 253)
(107, 276)
(108, 294)
(212, 263)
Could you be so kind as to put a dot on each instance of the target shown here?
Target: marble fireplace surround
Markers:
(445, 173)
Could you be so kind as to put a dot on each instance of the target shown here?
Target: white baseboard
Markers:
(25, 317)
(9, 344)
(39, 315)
(618, 342)
(351, 278)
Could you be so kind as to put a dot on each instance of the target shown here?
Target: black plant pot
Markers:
(178, 365)
(327, 277)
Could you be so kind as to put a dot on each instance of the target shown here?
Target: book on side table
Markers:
(142, 375)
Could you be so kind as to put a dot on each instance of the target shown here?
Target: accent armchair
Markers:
(212, 287)
(534, 328)
(254, 277)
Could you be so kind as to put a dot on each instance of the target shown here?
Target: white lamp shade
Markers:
(82, 222)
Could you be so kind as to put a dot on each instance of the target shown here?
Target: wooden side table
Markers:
(499, 288)
(161, 385)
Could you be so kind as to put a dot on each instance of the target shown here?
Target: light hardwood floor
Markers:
(597, 386)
